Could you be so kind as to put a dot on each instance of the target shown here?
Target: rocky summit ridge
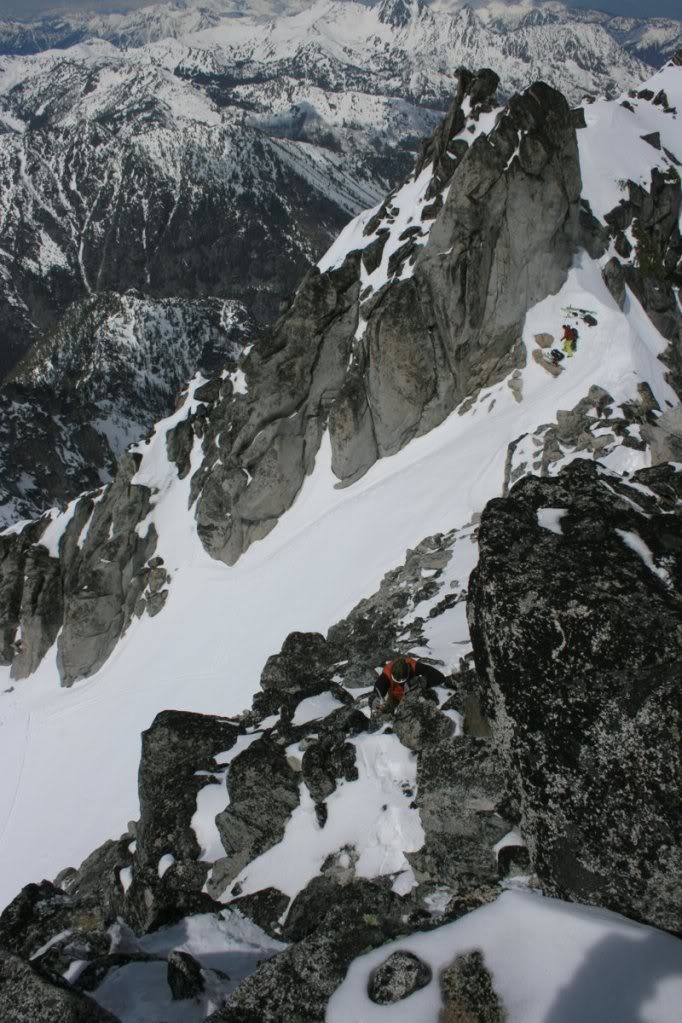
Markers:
(576, 754)
(404, 401)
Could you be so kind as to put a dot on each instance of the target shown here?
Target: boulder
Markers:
(185, 978)
(28, 994)
(323, 763)
(297, 983)
(41, 912)
(176, 746)
(418, 722)
(461, 788)
(265, 908)
(468, 992)
(544, 340)
(400, 975)
(303, 666)
(577, 635)
(263, 790)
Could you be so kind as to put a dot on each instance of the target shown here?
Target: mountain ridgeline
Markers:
(487, 227)
(207, 155)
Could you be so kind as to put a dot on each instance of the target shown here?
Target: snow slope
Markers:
(206, 650)
(551, 963)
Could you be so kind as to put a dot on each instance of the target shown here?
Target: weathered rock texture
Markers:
(26, 993)
(578, 636)
(460, 788)
(468, 992)
(263, 790)
(89, 593)
(298, 983)
(428, 341)
(399, 976)
(651, 264)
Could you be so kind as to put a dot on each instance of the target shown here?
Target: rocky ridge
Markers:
(539, 770)
(341, 357)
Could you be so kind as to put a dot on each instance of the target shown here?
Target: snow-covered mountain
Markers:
(652, 40)
(97, 383)
(209, 156)
(301, 518)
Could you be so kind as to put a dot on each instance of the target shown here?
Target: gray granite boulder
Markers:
(27, 993)
(263, 790)
(397, 977)
(468, 992)
(577, 634)
(461, 793)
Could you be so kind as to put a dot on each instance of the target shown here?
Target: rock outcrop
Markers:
(27, 994)
(468, 992)
(88, 589)
(376, 369)
(645, 230)
(440, 285)
(575, 611)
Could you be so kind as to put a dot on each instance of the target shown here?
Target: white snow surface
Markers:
(612, 149)
(139, 992)
(371, 815)
(551, 963)
(550, 518)
(315, 707)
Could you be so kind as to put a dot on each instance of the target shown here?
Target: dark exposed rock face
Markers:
(28, 994)
(579, 639)
(468, 992)
(263, 790)
(99, 381)
(470, 287)
(460, 788)
(174, 748)
(276, 428)
(184, 976)
(88, 594)
(42, 911)
(399, 976)
(653, 269)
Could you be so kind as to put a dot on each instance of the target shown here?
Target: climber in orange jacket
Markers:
(395, 679)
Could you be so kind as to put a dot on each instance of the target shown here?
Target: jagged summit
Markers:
(399, 13)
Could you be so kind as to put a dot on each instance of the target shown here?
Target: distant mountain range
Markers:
(652, 40)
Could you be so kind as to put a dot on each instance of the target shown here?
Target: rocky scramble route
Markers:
(603, 714)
